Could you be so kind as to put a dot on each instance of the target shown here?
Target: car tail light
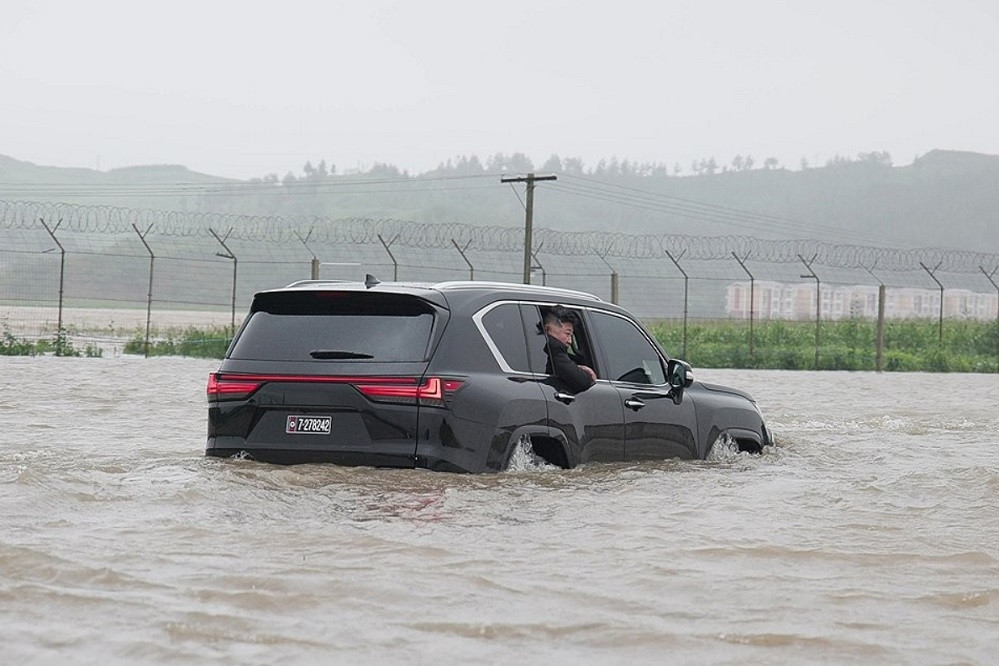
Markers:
(231, 388)
(408, 390)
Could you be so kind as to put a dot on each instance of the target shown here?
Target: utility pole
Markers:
(530, 179)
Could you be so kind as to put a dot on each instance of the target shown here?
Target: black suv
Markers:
(451, 376)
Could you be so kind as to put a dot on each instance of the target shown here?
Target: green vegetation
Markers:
(909, 346)
(198, 343)
(60, 345)
(967, 346)
(11, 346)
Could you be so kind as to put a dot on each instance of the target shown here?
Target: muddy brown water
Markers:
(870, 534)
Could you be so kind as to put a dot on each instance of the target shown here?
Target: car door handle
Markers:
(564, 397)
(634, 403)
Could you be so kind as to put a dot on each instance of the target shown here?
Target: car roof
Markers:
(468, 288)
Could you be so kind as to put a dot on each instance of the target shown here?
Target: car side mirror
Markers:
(681, 376)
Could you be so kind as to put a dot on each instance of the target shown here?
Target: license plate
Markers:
(309, 425)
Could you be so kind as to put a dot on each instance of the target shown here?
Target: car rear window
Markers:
(310, 326)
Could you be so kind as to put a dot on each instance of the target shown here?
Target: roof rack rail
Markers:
(551, 291)
(302, 283)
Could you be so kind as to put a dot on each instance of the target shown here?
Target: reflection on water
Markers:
(867, 534)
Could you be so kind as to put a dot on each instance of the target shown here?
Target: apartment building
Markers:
(777, 300)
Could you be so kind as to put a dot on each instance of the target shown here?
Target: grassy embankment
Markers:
(967, 346)
(911, 345)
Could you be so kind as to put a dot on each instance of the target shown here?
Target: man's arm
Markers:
(563, 367)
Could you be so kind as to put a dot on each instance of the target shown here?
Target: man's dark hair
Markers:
(561, 315)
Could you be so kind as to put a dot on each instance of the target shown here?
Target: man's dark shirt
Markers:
(562, 366)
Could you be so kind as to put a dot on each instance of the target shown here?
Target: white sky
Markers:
(246, 88)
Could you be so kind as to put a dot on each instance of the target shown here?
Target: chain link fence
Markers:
(106, 275)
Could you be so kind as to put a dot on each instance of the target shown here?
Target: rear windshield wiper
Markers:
(337, 353)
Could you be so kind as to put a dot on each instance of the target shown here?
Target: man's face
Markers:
(562, 332)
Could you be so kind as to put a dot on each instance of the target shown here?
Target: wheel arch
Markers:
(548, 443)
(746, 440)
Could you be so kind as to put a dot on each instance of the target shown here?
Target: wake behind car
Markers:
(451, 377)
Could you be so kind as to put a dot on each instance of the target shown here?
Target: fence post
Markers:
(149, 294)
(461, 251)
(989, 277)
(314, 264)
(235, 262)
(537, 262)
(60, 335)
(879, 343)
(879, 354)
(686, 280)
(752, 298)
(613, 277)
(818, 301)
(395, 264)
(939, 284)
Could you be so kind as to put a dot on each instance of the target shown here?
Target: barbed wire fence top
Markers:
(109, 221)
(112, 262)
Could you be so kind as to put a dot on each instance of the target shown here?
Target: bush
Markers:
(59, 346)
(11, 346)
(193, 342)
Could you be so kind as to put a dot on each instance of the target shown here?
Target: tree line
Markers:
(468, 165)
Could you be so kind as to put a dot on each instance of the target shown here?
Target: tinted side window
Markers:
(310, 326)
(630, 356)
(505, 328)
(536, 340)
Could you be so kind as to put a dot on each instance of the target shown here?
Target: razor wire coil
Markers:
(108, 221)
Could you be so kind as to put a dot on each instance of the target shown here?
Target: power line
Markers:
(571, 185)
(695, 210)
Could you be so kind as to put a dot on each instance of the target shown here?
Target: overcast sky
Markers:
(246, 88)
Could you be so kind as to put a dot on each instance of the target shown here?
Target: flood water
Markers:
(870, 534)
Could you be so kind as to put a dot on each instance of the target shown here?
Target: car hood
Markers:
(718, 388)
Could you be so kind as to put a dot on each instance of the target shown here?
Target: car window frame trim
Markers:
(501, 361)
(602, 348)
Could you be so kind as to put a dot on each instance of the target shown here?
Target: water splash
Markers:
(724, 449)
(523, 458)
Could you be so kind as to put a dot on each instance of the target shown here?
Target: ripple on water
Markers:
(866, 535)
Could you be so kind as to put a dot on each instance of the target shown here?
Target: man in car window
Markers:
(559, 323)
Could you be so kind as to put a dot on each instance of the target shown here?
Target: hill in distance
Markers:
(943, 199)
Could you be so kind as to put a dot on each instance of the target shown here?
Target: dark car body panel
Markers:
(659, 428)
(477, 390)
(592, 423)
